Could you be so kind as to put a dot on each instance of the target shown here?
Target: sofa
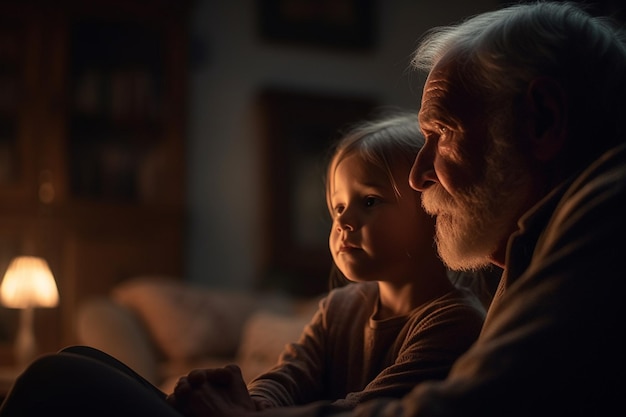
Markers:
(163, 327)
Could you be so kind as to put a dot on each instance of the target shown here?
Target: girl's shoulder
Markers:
(461, 297)
(459, 303)
(355, 290)
(356, 295)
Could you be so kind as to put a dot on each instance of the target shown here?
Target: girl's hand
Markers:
(213, 392)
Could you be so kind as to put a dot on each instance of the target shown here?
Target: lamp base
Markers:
(25, 343)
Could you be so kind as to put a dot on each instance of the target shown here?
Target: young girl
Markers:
(401, 321)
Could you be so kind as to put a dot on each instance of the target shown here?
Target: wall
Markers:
(229, 65)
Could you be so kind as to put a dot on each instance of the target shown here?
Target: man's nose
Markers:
(422, 173)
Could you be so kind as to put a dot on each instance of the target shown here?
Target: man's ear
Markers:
(547, 104)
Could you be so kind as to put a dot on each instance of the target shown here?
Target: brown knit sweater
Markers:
(346, 356)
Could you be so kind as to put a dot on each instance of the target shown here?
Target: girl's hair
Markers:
(384, 142)
(499, 53)
(390, 140)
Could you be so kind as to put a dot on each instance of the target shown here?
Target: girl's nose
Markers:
(344, 225)
(345, 221)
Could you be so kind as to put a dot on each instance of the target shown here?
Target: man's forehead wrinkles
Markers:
(432, 102)
(436, 87)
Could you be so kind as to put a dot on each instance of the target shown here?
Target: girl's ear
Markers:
(547, 104)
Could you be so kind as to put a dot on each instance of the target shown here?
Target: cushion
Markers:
(112, 328)
(264, 338)
(187, 321)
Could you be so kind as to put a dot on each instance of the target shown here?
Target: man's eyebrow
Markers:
(427, 114)
(436, 114)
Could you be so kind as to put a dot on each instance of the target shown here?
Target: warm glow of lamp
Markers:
(28, 283)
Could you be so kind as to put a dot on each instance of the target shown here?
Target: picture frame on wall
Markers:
(298, 129)
(340, 24)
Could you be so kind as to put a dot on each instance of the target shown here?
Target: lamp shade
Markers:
(28, 282)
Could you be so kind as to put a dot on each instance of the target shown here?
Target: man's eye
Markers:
(442, 130)
(436, 132)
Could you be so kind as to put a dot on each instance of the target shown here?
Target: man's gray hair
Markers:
(501, 52)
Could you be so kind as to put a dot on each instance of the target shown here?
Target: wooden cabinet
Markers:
(92, 114)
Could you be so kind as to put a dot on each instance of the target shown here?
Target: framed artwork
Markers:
(347, 24)
(298, 130)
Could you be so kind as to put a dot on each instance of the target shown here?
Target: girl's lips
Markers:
(347, 248)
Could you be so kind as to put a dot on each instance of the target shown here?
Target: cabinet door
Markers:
(20, 42)
(92, 103)
(125, 91)
(119, 139)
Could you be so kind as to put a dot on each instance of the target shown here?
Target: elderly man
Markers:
(525, 167)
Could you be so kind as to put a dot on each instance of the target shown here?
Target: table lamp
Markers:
(28, 283)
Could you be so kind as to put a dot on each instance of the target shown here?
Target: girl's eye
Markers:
(370, 201)
(338, 209)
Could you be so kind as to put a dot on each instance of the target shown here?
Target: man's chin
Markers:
(461, 255)
(468, 262)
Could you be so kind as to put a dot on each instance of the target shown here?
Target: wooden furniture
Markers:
(91, 146)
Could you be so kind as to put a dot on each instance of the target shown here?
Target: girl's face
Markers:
(377, 235)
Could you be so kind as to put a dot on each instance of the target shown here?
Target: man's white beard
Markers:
(465, 239)
(471, 225)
